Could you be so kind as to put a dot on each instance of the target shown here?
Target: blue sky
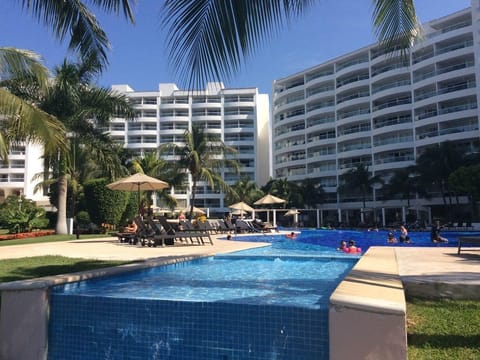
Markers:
(331, 28)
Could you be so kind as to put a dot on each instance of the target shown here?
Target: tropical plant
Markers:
(312, 193)
(403, 182)
(435, 165)
(22, 120)
(152, 165)
(75, 20)
(210, 39)
(19, 214)
(202, 156)
(245, 190)
(106, 206)
(466, 180)
(359, 180)
(84, 110)
(284, 189)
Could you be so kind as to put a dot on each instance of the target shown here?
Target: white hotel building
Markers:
(373, 108)
(239, 117)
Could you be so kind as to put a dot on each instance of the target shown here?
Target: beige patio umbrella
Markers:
(294, 213)
(269, 199)
(242, 207)
(195, 210)
(138, 182)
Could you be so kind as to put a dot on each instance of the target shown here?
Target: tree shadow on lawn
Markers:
(22, 272)
(443, 341)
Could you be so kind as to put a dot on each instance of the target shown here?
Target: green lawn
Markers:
(50, 238)
(38, 266)
(443, 330)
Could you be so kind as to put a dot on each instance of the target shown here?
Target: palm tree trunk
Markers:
(192, 199)
(61, 227)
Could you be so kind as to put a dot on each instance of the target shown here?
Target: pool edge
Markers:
(367, 312)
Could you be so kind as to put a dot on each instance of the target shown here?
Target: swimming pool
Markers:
(247, 305)
(326, 241)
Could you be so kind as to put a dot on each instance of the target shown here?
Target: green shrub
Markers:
(19, 214)
(83, 218)
(105, 206)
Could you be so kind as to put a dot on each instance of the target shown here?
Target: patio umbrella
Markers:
(242, 207)
(294, 213)
(138, 182)
(269, 199)
(195, 210)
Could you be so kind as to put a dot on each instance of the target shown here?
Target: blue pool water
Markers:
(269, 303)
(326, 241)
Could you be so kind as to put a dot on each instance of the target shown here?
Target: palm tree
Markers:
(435, 165)
(245, 190)
(466, 180)
(202, 156)
(359, 179)
(312, 193)
(152, 165)
(84, 110)
(210, 39)
(284, 189)
(22, 120)
(404, 182)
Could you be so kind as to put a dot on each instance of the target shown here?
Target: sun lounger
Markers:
(127, 237)
(146, 234)
(471, 240)
(226, 226)
(162, 237)
(184, 233)
(199, 230)
(244, 226)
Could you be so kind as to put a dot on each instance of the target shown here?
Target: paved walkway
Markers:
(111, 249)
(443, 268)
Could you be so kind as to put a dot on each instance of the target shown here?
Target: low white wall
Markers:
(24, 313)
(24, 324)
(367, 316)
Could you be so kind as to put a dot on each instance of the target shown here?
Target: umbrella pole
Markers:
(138, 201)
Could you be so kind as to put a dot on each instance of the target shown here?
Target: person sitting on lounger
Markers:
(131, 227)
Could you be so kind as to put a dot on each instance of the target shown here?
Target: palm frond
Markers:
(19, 62)
(72, 18)
(24, 121)
(396, 24)
(209, 39)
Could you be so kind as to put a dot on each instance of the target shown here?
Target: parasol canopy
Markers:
(269, 199)
(195, 210)
(241, 206)
(292, 212)
(138, 182)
